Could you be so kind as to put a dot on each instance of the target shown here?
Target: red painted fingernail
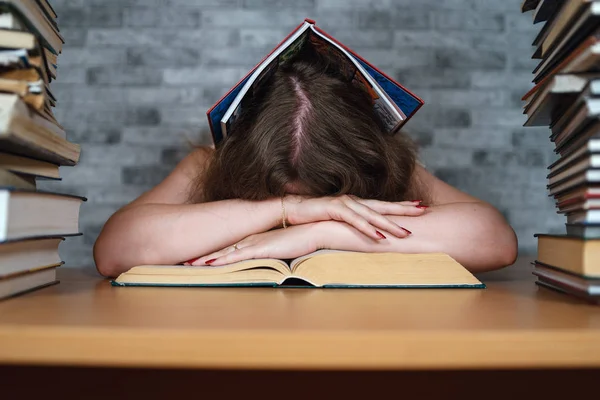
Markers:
(192, 260)
(407, 231)
(208, 262)
(381, 235)
(423, 207)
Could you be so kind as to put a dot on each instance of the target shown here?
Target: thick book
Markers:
(567, 290)
(27, 213)
(591, 148)
(14, 181)
(586, 284)
(20, 256)
(393, 103)
(27, 282)
(585, 26)
(25, 132)
(550, 102)
(25, 166)
(37, 22)
(323, 268)
(587, 177)
(570, 253)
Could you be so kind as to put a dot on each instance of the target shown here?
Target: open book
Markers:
(392, 102)
(323, 268)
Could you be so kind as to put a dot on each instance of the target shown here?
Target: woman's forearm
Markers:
(170, 234)
(474, 234)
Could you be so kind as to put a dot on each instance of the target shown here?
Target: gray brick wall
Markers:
(136, 77)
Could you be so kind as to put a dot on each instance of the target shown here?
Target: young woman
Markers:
(306, 166)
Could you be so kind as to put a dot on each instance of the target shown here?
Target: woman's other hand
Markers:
(367, 216)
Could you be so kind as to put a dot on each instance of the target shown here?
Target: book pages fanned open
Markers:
(319, 269)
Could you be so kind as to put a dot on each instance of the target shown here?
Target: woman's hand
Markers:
(367, 216)
(292, 242)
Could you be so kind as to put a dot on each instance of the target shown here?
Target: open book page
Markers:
(256, 271)
(391, 115)
(343, 268)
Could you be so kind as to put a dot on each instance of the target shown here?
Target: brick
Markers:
(403, 19)
(468, 20)
(107, 17)
(150, 175)
(107, 195)
(165, 135)
(450, 40)
(95, 134)
(173, 155)
(202, 75)
(330, 18)
(452, 118)
(246, 57)
(261, 37)
(243, 18)
(91, 233)
(99, 175)
(99, 154)
(164, 95)
(473, 138)
(71, 74)
(210, 38)
(179, 115)
(500, 79)
(469, 59)
(434, 157)
(421, 137)
(533, 137)
(497, 117)
(304, 4)
(203, 4)
(124, 76)
(74, 37)
(466, 98)
(516, 157)
(179, 18)
(364, 38)
(162, 56)
(58, 5)
(360, 4)
(91, 57)
(141, 17)
(117, 117)
(431, 78)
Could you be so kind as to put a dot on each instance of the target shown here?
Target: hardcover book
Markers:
(392, 102)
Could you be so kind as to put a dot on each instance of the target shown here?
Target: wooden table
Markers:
(84, 322)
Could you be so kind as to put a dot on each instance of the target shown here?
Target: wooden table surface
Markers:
(83, 321)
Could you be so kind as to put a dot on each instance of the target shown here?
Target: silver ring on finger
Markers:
(235, 247)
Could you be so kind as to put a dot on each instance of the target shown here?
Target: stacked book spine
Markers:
(33, 145)
(566, 98)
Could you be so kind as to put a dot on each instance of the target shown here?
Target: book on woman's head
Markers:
(323, 268)
(393, 103)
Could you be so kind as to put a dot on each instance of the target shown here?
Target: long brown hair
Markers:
(308, 126)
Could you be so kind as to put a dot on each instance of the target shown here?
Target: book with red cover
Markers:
(392, 102)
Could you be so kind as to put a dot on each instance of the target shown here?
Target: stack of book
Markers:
(32, 146)
(566, 97)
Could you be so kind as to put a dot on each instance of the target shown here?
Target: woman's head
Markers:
(308, 131)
